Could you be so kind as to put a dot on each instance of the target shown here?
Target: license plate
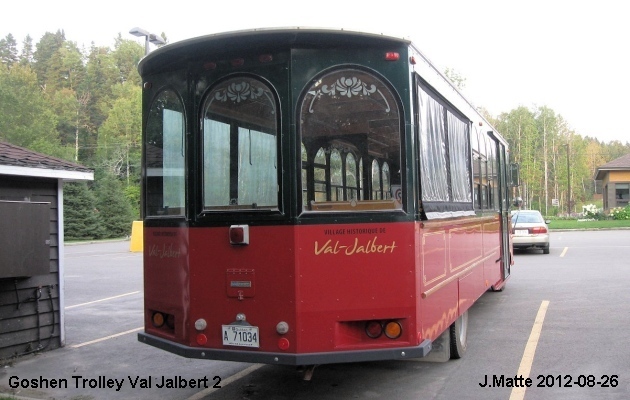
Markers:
(521, 232)
(237, 335)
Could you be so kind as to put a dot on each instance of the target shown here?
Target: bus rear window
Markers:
(240, 161)
(164, 154)
(350, 132)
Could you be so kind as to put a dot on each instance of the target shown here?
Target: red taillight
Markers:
(538, 230)
(170, 321)
(373, 329)
(392, 56)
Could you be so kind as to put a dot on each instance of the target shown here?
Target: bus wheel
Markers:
(459, 334)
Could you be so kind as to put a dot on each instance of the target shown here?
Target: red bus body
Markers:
(324, 281)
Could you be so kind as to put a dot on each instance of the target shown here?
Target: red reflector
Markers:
(210, 65)
(265, 58)
(237, 62)
(239, 234)
(283, 344)
(202, 339)
(392, 56)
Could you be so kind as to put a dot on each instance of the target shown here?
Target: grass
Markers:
(575, 224)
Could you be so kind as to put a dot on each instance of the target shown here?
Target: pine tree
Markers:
(81, 218)
(8, 51)
(26, 58)
(114, 208)
(45, 50)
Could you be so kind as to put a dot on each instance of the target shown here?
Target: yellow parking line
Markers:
(518, 393)
(564, 251)
(105, 338)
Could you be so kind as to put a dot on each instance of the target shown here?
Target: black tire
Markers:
(546, 249)
(459, 336)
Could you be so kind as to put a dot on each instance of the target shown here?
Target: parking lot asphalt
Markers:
(102, 358)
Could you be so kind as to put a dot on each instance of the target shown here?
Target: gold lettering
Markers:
(356, 247)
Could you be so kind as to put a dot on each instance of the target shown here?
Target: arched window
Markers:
(336, 176)
(377, 192)
(346, 116)
(165, 157)
(351, 177)
(386, 185)
(240, 161)
(320, 167)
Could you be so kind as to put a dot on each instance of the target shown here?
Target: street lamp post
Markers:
(568, 179)
(148, 38)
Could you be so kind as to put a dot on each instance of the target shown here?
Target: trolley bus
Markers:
(315, 196)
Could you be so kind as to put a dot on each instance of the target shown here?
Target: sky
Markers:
(570, 56)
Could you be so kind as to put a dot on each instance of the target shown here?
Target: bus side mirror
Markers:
(518, 202)
(515, 178)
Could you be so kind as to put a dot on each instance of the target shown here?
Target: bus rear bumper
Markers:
(399, 353)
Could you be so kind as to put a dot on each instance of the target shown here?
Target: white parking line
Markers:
(518, 393)
(564, 251)
(105, 299)
(105, 338)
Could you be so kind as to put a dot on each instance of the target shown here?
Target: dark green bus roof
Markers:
(259, 38)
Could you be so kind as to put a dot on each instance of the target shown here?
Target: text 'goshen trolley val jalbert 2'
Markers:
(315, 196)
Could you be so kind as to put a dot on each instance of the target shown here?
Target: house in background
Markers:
(615, 182)
(31, 249)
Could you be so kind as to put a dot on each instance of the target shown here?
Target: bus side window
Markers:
(350, 139)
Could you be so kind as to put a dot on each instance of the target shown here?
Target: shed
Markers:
(31, 249)
(615, 178)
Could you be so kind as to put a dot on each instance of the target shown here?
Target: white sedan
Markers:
(530, 230)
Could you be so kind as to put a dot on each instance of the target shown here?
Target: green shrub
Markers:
(620, 213)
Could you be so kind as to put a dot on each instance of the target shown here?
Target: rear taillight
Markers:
(374, 329)
(163, 320)
(158, 319)
(538, 230)
(391, 329)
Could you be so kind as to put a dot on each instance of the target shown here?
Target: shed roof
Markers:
(619, 164)
(15, 160)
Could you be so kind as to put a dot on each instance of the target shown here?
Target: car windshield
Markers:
(527, 218)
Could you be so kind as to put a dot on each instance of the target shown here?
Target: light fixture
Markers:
(148, 38)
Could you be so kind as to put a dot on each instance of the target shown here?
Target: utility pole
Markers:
(569, 178)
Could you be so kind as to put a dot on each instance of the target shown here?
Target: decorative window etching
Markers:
(237, 92)
(347, 87)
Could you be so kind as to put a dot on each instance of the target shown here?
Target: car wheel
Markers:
(546, 249)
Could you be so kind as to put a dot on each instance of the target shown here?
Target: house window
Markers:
(622, 194)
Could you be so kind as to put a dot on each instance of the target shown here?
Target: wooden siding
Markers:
(29, 307)
(618, 176)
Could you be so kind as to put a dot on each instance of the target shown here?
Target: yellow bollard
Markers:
(137, 242)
